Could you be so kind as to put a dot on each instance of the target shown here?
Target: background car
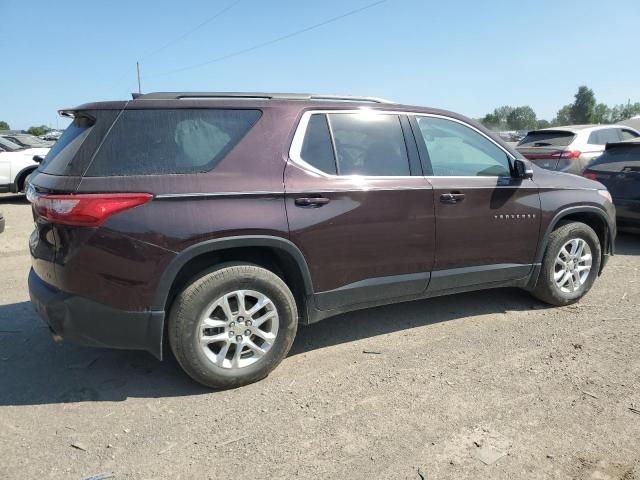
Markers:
(619, 170)
(28, 140)
(571, 148)
(16, 164)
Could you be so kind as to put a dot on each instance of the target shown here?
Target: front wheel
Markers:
(233, 325)
(570, 265)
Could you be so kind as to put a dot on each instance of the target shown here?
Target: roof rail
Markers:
(254, 96)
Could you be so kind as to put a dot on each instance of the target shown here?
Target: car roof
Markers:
(578, 128)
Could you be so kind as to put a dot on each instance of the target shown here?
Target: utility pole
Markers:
(138, 68)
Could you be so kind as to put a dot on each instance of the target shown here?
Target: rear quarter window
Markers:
(73, 151)
(604, 136)
(170, 141)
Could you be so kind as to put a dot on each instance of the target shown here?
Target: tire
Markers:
(209, 363)
(552, 273)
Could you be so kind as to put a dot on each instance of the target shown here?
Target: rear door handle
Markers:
(452, 198)
(311, 201)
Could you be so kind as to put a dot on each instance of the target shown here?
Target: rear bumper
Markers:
(85, 322)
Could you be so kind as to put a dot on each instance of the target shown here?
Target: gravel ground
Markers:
(482, 385)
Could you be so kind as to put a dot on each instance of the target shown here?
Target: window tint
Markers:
(542, 138)
(316, 147)
(456, 150)
(628, 135)
(73, 151)
(147, 142)
(604, 136)
(369, 144)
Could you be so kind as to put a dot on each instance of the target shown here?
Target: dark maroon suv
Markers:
(223, 221)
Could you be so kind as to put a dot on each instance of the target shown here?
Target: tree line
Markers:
(584, 109)
(37, 131)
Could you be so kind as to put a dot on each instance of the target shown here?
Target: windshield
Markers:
(9, 145)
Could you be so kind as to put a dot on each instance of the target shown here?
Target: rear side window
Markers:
(317, 149)
(151, 142)
(73, 151)
(604, 136)
(628, 135)
(369, 144)
(543, 138)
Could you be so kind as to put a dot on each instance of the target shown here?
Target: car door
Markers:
(359, 208)
(5, 169)
(487, 222)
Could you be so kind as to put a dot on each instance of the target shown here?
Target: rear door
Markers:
(487, 222)
(359, 207)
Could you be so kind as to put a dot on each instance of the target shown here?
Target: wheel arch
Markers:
(274, 253)
(595, 217)
(21, 177)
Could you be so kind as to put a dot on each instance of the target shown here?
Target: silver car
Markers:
(572, 148)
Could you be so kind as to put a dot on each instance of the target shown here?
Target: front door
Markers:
(359, 207)
(487, 222)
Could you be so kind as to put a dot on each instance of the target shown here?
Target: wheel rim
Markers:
(573, 265)
(238, 329)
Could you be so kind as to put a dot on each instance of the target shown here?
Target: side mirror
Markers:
(521, 170)
(37, 159)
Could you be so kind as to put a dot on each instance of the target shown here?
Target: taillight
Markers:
(563, 154)
(570, 155)
(590, 175)
(86, 210)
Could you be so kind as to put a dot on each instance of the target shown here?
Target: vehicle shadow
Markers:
(35, 370)
(13, 199)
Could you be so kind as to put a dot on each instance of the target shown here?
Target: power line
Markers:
(275, 40)
(189, 32)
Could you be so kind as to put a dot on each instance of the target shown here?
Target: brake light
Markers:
(573, 154)
(86, 210)
(590, 175)
(563, 154)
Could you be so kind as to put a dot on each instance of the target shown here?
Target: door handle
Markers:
(452, 198)
(312, 202)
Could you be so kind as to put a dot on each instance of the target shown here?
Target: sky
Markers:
(462, 55)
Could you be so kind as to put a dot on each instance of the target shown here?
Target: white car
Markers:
(572, 148)
(16, 164)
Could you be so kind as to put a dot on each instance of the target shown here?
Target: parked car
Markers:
(619, 170)
(571, 148)
(230, 219)
(28, 141)
(16, 164)
(52, 136)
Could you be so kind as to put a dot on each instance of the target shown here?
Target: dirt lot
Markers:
(535, 392)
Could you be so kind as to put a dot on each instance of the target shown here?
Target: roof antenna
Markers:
(139, 94)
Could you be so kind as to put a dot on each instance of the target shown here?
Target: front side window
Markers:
(369, 144)
(628, 135)
(459, 151)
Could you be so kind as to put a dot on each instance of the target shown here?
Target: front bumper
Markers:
(85, 322)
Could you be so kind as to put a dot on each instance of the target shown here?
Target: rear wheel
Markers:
(233, 325)
(570, 265)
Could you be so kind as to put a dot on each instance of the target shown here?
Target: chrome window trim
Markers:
(298, 138)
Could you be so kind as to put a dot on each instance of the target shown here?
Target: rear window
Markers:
(73, 151)
(557, 138)
(151, 142)
(617, 154)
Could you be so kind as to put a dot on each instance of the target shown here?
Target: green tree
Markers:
(37, 131)
(497, 119)
(624, 111)
(601, 114)
(582, 109)
(563, 117)
(542, 124)
(522, 118)
(4, 125)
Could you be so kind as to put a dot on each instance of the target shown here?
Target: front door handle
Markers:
(452, 198)
(312, 202)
